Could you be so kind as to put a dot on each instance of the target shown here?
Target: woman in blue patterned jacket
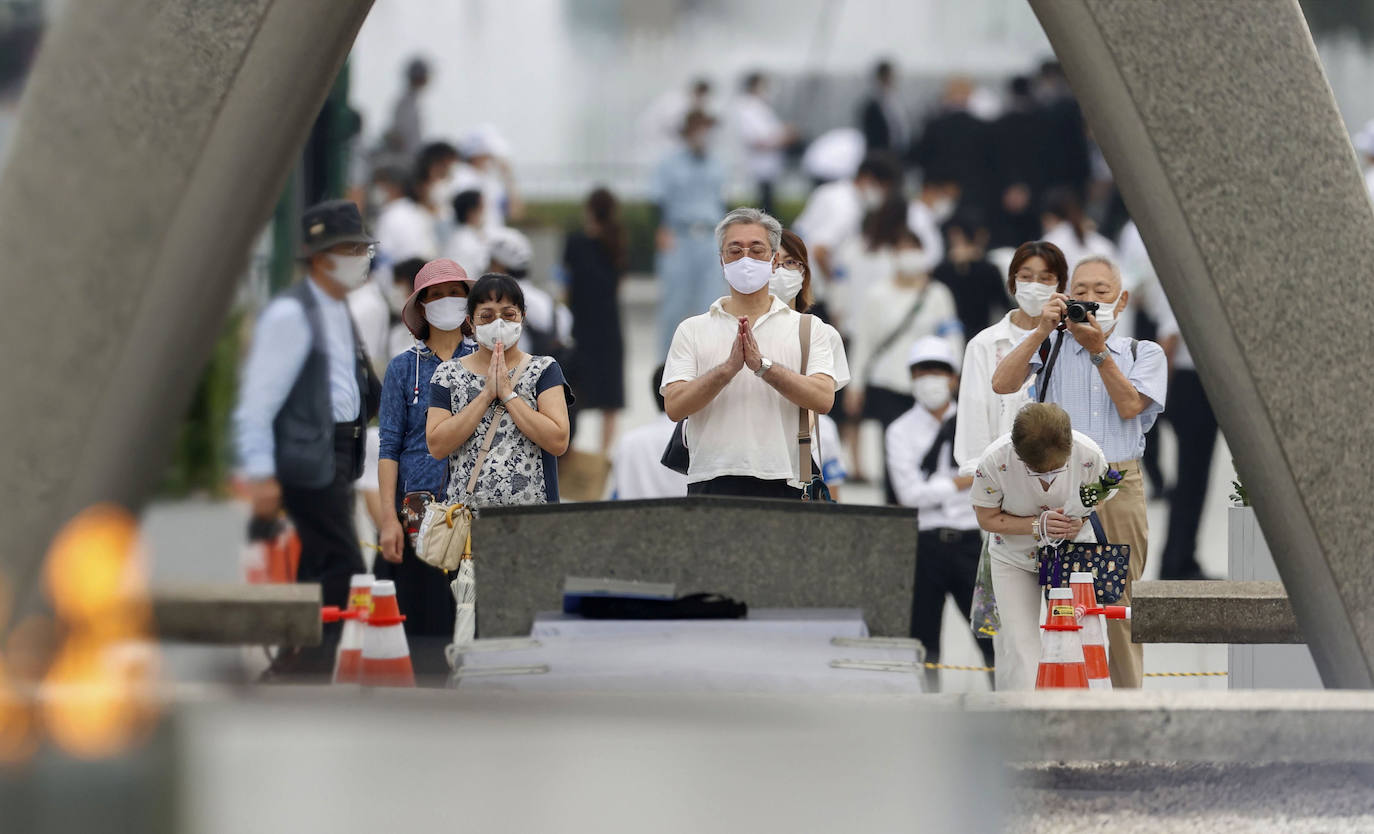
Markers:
(408, 476)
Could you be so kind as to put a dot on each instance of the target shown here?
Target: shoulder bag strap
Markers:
(804, 415)
(1042, 385)
(1098, 530)
(888, 341)
(491, 430)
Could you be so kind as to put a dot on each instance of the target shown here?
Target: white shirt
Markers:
(834, 469)
(545, 314)
(837, 352)
(373, 316)
(884, 311)
(749, 429)
(1062, 235)
(637, 470)
(1002, 480)
(924, 223)
(985, 415)
(1168, 326)
(761, 133)
(281, 344)
(468, 246)
(937, 501)
(398, 341)
(405, 230)
(832, 215)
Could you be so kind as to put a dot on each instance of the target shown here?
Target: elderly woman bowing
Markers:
(1026, 492)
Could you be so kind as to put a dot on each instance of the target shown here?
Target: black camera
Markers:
(1078, 310)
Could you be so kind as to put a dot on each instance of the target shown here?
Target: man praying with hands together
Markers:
(742, 435)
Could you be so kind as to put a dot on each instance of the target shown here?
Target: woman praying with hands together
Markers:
(525, 396)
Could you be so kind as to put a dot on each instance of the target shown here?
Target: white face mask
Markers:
(870, 197)
(446, 313)
(1031, 297)
(747, 275)
(912, 261)
(931, 391)
(350, 270)
(505, 332)
(942, 209)
(785, 283)
(1106, 315)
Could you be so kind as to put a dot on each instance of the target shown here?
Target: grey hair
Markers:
(741, 216)
(1104, 261)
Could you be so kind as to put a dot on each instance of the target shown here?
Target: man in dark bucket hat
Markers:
(307, 394)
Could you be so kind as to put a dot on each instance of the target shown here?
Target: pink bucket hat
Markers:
(442, 271)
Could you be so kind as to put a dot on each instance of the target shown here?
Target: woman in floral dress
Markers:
(527, 396)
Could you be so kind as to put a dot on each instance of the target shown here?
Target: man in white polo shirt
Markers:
(742, 435)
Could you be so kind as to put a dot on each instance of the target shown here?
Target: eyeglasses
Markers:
(758, 252)
(793, 263)
(510, 314)
(1040, 277)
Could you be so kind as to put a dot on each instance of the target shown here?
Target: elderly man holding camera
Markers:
(1113, 388)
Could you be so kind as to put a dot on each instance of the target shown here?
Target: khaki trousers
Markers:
(1124, 520)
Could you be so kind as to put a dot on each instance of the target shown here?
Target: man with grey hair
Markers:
(1113, 389)
(742, 435)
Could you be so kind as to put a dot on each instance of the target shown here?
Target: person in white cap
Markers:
(924, 475)
(548, 323)
(486, 168)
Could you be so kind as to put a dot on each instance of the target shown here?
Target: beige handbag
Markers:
(445, 536)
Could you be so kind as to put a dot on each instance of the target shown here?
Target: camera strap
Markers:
(1047, 365)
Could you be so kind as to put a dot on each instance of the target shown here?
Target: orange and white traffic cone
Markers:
(1094, 634)
(1061, 650)
(386, 656)
(349, 660)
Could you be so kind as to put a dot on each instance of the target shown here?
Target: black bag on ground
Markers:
(690, 607)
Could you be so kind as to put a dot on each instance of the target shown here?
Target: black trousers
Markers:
(886, 406)
(329, 546)
(946, 564)
(1196, 428)
(741, 485)
(424, 596)
(766, 196)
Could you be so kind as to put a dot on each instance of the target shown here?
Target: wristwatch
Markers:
(1099, 358)
(512, 395)
(764, 364)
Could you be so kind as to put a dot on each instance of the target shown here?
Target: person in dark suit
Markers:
(1066, 159)
(882, 118)
(980, 295)
(954, 146)
(1016, 148)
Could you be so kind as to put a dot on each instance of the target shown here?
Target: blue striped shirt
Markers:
(1077, 387)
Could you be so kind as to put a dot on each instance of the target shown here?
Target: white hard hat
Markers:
(933, 349)
(510, 247)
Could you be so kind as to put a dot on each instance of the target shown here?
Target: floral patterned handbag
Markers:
(1108, 563)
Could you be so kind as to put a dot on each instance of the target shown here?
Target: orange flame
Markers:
(95, 698)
